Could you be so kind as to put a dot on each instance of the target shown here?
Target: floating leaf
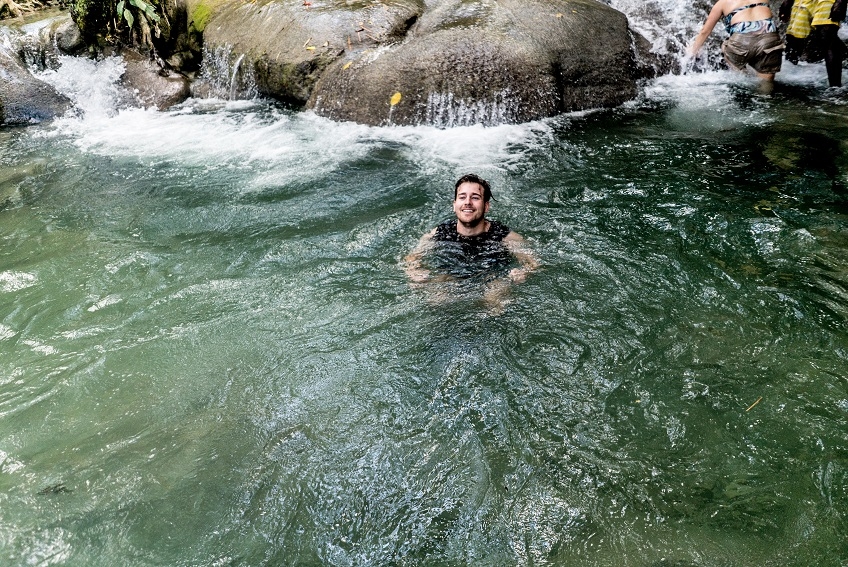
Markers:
(395, 99)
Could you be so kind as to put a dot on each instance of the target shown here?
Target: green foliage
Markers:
(104, 20)
(143, 9)
(92, 17)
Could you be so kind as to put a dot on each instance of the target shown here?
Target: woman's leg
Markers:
(834, 53)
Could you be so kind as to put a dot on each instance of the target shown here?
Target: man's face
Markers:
(468, 205)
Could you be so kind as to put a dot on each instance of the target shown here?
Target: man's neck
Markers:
(466, 229)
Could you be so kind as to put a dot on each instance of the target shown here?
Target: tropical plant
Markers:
(134, 22)
(141, 19)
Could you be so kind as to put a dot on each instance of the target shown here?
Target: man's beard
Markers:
(473, 223)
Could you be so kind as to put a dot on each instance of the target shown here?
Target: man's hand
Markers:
(418, 275)
(518, 275)
(525, 256)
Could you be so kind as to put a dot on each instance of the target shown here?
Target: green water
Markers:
(210, 355)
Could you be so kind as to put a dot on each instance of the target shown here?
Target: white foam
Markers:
(6, 332)
(257, 135)
(112, 299)
(90, 84)
(15, 281)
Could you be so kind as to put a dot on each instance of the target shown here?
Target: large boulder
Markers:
(152, 85)
(285, 46)
(441, 62)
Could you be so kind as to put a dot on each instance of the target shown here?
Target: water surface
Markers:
(210, 354)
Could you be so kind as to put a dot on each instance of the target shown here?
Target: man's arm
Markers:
(412, 263)
(523, 253)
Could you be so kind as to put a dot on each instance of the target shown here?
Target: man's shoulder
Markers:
(498, 230)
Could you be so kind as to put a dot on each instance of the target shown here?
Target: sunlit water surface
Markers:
(210, 353)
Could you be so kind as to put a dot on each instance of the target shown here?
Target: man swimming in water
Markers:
(471, 246)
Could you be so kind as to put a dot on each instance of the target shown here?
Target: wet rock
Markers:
(56, 35)
(443, 63)
(505, 62)
(152, 84)
(25, 99)
(286, 47)
(67, 36)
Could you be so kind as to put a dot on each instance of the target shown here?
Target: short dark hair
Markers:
(472, 178)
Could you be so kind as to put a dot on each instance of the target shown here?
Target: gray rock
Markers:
(451, 61)
(67, 36)
(151, 84)
(25, 99)
(285, 47)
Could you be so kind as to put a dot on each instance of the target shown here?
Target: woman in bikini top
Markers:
(763, 25)
(750, 17)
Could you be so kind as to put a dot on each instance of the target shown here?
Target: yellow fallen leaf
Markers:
(395, 99)
(311, 48)
(346, 65)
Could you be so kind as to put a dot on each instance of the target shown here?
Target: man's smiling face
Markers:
(469, 206)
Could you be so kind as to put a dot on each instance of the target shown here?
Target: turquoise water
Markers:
(210, 353)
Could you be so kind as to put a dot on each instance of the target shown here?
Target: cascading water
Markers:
(669, 26)
(210, 355)
(223, 76)
(445, 111)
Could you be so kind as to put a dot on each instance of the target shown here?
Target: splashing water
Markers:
(669, 26)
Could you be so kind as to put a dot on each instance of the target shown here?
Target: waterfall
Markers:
(446, 111)
(221, 79)
(35, 42)
(93, 86)
(234, 77)
(670, 26)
